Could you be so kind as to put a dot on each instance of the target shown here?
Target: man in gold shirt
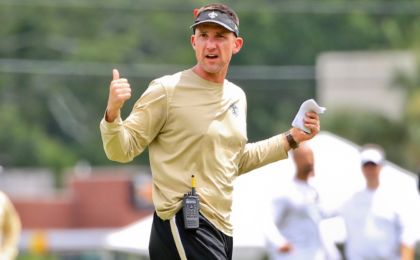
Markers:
(194, 123)
(9, 229)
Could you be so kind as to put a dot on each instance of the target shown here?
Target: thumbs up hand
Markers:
(119, 92)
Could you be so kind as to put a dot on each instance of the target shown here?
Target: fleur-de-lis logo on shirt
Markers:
(212, 15)
(234, 109)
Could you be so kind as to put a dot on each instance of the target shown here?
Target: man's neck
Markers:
(301, 178)
(213, 77)
(372, 185)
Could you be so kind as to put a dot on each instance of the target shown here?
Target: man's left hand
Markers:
(312, 122)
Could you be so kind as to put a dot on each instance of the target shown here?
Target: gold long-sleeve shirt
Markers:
(191, 126)
(10, 228)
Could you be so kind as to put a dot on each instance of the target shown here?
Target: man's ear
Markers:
(239, 42)
(193, 41)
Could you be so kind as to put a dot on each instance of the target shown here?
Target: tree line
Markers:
(56, 60)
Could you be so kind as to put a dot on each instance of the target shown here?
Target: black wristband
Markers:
(292, 143)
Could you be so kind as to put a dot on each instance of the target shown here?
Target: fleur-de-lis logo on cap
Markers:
(212, 15)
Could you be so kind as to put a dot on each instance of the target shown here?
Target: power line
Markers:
(287, 7)
(70, 68)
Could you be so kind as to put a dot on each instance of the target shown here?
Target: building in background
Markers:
(75, 220)
(363, 80)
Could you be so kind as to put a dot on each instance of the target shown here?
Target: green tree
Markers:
(410, 83)
(361, 128)
(56, 60)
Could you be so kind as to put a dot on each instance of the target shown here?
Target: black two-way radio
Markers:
(191, 207)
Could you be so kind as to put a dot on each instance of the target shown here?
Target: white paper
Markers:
(308, 105)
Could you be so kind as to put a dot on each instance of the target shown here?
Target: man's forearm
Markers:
(110, 115)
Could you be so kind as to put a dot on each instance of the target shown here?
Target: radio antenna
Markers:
(193, 184)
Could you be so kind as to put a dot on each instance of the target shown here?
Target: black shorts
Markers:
(170, 241)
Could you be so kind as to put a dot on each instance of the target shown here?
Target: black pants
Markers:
(170, 241)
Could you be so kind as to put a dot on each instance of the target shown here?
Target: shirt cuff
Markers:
(282, 145)
(109, 126)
